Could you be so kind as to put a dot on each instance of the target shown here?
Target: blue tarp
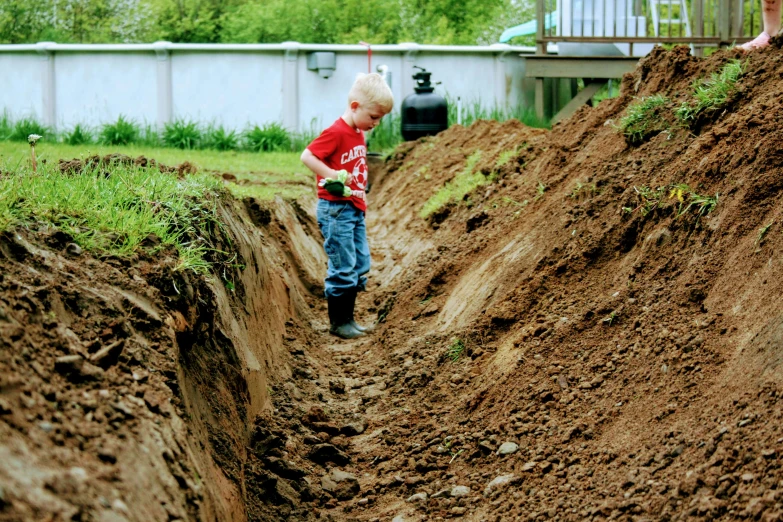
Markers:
(528, 28)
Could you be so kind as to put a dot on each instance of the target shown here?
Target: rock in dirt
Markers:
(353, 428)
(499, 483)
(68, 364)
(460, 491)
(108, 355)
(529, 466)
(508, 448)
(418, 497)
(341, 484)
(324, 453)
(5, 407)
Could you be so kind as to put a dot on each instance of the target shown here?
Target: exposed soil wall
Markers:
(128, 390)
(546, 349)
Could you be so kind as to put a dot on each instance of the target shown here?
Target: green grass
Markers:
(281, 163)
(712, 93)
(114, 214)
(454, 190)
(643, 118)
(455, 350)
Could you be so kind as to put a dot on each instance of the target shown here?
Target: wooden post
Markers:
(539, 101)
(540, 21)
(724, 21)
(698, 25)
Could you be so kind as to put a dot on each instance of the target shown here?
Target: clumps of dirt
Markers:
(105, 163)
(582, 338)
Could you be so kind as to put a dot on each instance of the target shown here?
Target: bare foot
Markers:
(760, 41)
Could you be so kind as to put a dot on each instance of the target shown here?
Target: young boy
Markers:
(338, 157)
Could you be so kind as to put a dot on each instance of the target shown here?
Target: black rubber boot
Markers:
(351, 306)
(338, 317)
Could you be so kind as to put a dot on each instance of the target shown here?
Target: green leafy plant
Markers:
(79, 135)
(648, 199)
(691, 201)
(712, 93)
(26, 126)
(583, 190)
(461, 185)
(610, 319)
(181, 134)
(762, 233)
(219, 138)
(121, 132)
(268, 138)
(455, 349)
(643, 119)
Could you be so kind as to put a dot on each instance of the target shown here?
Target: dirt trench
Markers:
(545, 349)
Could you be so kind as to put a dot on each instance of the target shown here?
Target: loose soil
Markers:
(541, 352)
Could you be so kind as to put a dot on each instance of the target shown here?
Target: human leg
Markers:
(336, 221)
(362, 266)
(770, 16)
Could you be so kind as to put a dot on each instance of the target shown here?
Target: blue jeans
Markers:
(345, 243)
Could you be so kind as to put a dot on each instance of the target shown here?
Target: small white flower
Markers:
(32, 138)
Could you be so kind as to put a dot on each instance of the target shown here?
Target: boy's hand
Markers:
(334, 187)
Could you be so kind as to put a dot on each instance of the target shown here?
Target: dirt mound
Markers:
(612, 311)
(110, 160)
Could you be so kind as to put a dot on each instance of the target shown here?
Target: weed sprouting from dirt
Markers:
(583, 190)
(711, 94)
(647, 199)
(762, 234)
(687, 200)
(610, 319)
(455, 349)
(506, 155)
(541, 189)
(690, 200)
(462, 184)
(643, 119)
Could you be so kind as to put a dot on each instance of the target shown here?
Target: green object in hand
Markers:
(336, 187)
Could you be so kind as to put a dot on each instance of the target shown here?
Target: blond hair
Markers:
(371, 89)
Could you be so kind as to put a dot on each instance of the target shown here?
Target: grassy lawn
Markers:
(266, 174)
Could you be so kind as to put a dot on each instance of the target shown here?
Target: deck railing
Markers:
(707, 23)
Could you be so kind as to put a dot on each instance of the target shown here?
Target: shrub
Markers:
(79, 135)
(219, 138)
(121, 132)
(26, 126)
(269, 138)
(181, 134)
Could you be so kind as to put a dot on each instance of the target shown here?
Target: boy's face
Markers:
(365, 116)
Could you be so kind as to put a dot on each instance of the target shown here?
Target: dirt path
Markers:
(546, 349)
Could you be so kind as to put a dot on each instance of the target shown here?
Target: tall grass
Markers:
(271, 137)
(115, 213)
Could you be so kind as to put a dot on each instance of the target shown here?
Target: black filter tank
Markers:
(424, 113)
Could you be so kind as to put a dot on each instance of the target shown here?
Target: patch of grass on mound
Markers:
(454, 190)
(643, 119)
(115, 213)
(712, 93)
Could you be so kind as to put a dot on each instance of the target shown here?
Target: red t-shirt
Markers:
(342, 147)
